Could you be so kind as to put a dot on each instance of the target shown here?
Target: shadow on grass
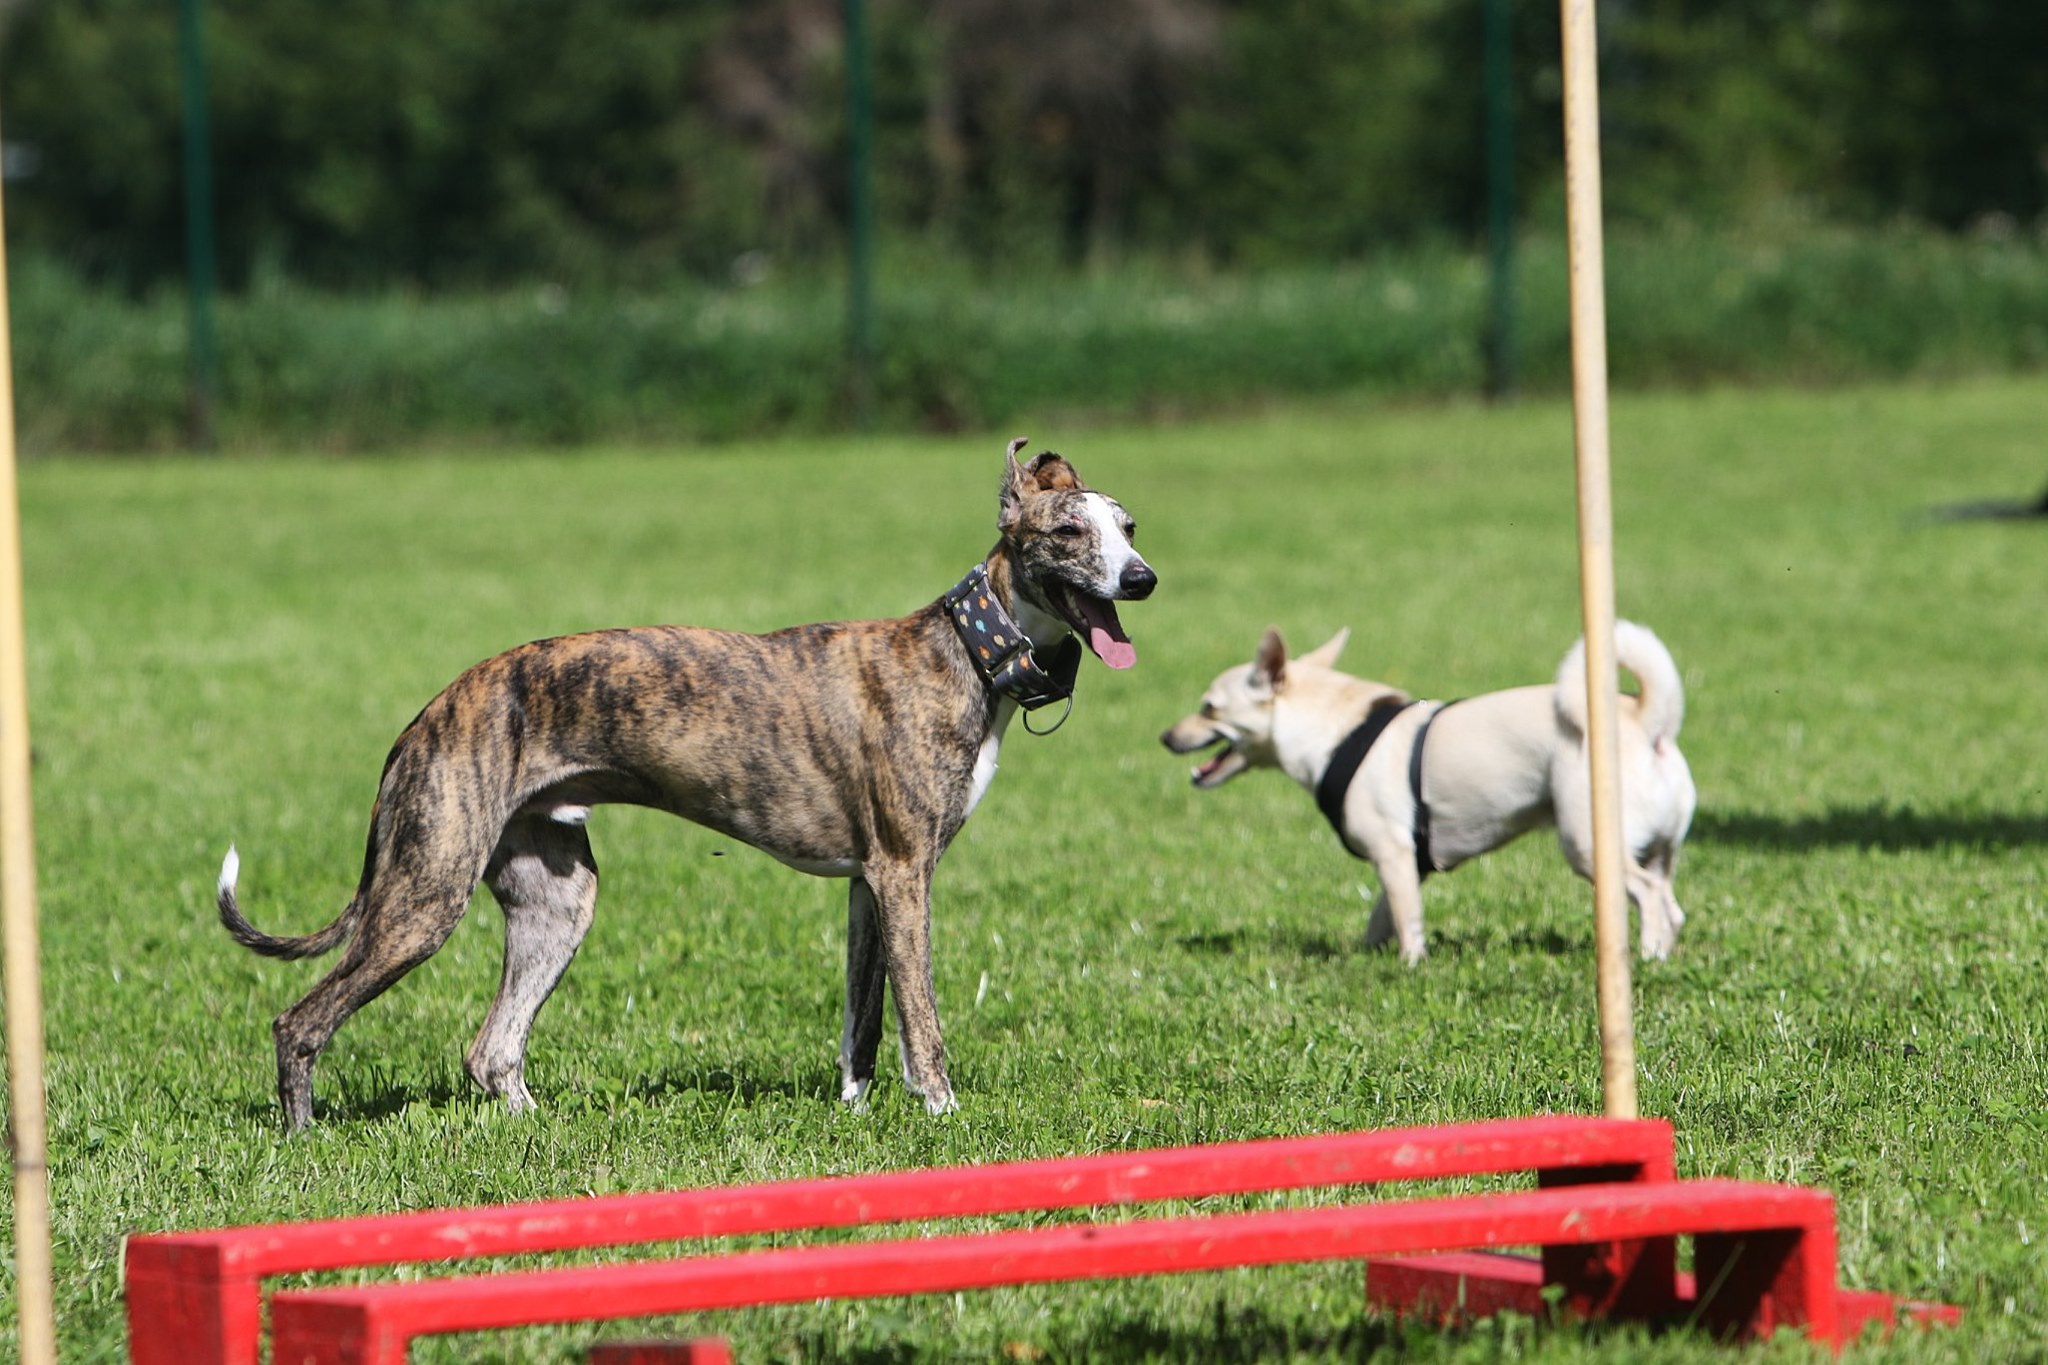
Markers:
(1231, 1337)
(740, 1083)
(366, 1099)
(1546, 942)
(1452, 943)
(1879, 827)
(377, 1097)
(1994, 510)
(1228, 941)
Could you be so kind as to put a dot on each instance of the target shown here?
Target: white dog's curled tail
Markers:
(1638, 650)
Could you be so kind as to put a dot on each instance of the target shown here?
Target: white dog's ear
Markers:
(1269, 665)
(1325, 656)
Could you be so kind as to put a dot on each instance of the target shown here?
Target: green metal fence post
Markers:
(199, 245)
(860, 303)
(1500, 201)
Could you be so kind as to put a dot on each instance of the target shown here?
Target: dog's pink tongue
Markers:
(1112, 651)
(1105, 633)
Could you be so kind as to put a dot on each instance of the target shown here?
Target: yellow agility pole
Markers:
(35, 1304)
(1596, 549)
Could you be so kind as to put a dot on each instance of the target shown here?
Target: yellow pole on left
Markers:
(35, 1303)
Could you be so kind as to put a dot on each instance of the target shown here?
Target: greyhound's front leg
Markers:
(865, 975)
(904, 915)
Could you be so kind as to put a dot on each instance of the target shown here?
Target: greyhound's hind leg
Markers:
(545, 880)
(403, 926)
(866, 973)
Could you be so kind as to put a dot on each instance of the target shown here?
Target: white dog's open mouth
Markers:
(1094, 620)
(1226, 763)
(1223, 765)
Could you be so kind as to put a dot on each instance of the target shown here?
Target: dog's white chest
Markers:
(984, 768)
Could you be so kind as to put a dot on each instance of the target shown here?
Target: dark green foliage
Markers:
(621, 141)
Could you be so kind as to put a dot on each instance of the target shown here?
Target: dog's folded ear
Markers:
(1051, 473)
(1269, 665)
(1045, 473)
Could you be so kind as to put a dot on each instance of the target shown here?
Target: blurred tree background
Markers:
(467, 145)
(473, 141)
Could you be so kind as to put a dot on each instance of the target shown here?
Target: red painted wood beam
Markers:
(194, 1298)
(1771, 1248)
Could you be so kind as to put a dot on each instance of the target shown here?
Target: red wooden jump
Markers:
(194, 1298)
(1460, 1286)
(1769, 1250)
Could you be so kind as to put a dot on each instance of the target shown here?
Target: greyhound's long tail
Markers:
(249, 936)
(1637, 649)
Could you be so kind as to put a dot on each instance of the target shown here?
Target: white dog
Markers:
(1421, 786)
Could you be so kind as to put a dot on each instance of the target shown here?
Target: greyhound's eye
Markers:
(1131, 531)
(1069, 528)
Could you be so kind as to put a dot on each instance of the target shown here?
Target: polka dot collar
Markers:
(1002, 652)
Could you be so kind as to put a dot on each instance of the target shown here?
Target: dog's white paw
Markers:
(941, 1104)
(854, 1095)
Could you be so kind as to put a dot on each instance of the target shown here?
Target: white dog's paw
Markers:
(941, 1104)
(1657, 942)
(854, 1095)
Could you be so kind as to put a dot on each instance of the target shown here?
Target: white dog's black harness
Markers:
(1002, 651)
(1349, 756)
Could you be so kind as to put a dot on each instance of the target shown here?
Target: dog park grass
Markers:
(225, 650)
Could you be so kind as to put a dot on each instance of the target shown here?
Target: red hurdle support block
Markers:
(1460, 1286)
(194, 1298)
(702, 1351)
(1771, 1252)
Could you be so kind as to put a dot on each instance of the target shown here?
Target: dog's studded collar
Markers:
(1349, 755)
(1002, 651)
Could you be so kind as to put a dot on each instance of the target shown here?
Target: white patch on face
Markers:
(1040, 627)
(1117, 553)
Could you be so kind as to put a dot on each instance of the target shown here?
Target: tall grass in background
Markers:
(964, 348)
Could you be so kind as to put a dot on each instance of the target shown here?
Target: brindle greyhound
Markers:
(849, 749)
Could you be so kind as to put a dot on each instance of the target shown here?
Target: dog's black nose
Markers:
(1138, 581)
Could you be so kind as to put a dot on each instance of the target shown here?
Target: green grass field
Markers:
(225, 650)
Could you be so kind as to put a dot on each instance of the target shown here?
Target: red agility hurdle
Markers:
(1770, 1252)
(194, 1298)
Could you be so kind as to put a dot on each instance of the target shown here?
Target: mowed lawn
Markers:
(224, 650)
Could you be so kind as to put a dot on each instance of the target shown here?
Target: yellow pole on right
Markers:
(1596, 548)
